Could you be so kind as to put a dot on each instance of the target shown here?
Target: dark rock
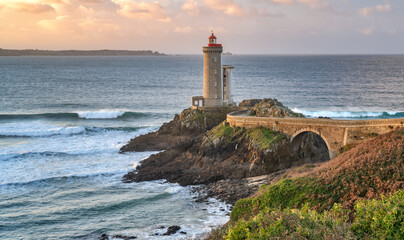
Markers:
(181, 129)
(103, 237)
(272, 108)
(195, 156)
(124, 237)
(249, 103)
(182, 232)
(172, 230)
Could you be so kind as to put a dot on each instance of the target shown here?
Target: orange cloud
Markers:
(377, 9)
(314, 4)
(228, 7)
(142, 10)
(191, 7)
(186, 29)
(366, 31)
(286, 2)
(28, 7)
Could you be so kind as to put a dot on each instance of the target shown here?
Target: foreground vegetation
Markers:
(358, 195)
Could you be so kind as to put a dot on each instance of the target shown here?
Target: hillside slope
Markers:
(335, 200)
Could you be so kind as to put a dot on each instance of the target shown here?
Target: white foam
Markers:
(101, 114)
(37, 129)
(174, 190)
(354, 113)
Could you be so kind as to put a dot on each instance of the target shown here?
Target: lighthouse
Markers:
(216, 78)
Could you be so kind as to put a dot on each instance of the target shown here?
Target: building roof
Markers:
(212, 36)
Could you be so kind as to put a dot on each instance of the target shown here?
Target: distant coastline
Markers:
(103, 52)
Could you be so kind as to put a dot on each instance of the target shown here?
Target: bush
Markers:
(373, 219)
(380, 219)
(294, 224)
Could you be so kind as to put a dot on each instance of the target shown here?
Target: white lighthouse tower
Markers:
(216, 79)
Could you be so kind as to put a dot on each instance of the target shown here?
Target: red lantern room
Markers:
(212, 41)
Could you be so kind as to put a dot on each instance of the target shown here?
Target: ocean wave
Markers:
(32, 154)
(37, 129)
(98, 114)
(55, 179)
(42, 129)
(351, 114)
(101, 114)
(11, 156)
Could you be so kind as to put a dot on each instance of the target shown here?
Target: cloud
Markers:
(90, 1)
(284, 2)
(51, 24)
(314, 4)
(28, 7)
(228, 7)
(367, 11)
(186, 29)
(367, 31)
(191, 7)
(142, 10)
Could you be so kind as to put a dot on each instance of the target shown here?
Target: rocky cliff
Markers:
(196, 153)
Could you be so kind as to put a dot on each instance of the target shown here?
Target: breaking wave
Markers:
(99, 114)
(42, 129)
(351, 114)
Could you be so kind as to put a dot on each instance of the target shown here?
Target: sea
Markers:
(63, 120)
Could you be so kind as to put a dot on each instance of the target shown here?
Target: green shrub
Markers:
(294, 224)
(288, 193)
(380, 219)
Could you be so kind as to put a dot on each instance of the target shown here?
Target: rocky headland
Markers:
(200, 148)
(256, 171)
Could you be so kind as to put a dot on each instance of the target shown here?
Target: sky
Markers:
(183, 26)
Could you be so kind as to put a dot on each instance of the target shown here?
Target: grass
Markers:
(223, 131)
(261, 138)
(265, 138)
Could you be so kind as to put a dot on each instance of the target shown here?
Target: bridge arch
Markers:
(298, 136)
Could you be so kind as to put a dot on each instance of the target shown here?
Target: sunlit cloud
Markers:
(286, 2)
(186, 29)
(314, 4)
(367, 31)
(373, 10)
(52, 24)
(142, 10)
(191, 7)
(27, 6)
(271, 25)
(228, 7)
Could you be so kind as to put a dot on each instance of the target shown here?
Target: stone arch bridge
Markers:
(335, 133)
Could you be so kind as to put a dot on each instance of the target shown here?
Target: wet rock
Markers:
(172, 230)
(182, 232)
(103, 237)
(124, 237)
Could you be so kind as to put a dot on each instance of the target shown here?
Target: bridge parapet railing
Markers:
(243, 118)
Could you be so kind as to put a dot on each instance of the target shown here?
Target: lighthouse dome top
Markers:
(212, 41)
